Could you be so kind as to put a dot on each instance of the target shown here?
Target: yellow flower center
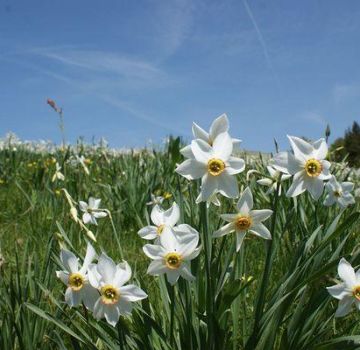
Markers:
(109, 294)
(215, 166)
(356, 292)
(160, 229)
(243, 223)
(76, 281)
(313, 168)
(173, 260)
(338, 193)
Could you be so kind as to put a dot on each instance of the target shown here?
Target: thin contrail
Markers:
(262, 42)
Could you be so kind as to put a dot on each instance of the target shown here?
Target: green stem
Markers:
(207, 241)
(267, 270)
(120, 336)
(115, 234)
(172, 314)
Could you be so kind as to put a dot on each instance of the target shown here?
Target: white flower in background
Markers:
(115, 298)
(215, 166)
(347, 292)
(78, 288)
(339, 192)
(162, 219)
(357, 192)
(58, 174)
(218, 126)
(91, 211)
(155, 200)
(82, 161)
(245, 220)
(307, 164)
(272, 181)
(172, 256)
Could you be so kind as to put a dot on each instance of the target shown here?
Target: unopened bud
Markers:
(91, 235)
(74, 214)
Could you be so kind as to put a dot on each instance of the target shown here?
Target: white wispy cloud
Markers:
(345, 92)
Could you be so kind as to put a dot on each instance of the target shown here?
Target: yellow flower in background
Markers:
(167, 195)
(2, 181)
(57, 192)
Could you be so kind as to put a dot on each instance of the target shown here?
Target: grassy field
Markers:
(267, 296)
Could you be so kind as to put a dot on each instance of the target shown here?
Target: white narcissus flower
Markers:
(78, 288)
(172, 256)
(58, 174)
(215, 166)
(272, 181)
(347, 292)
(91, 211)
(115, 298)
(307, 164)
(218, 126)
(245, 220)
(339, 192)
(162, 219)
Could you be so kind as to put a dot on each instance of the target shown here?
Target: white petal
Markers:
(172, 215)
(287, 163)
(230, 227)
(99, 214)
(222, 146)
(260, 215)
(191, 169)
(148, 232)
(298, 185)
(344, 307)
(265, 182)
(63, 276)
(339, 291)
(347, 273)
(227, 185)
(94, 276)
(186, 250)
(69, 260)
(185, 232)
(194, 254)
(321, 149)
(347, 186)
(132, 293)
(99, 309)
(346, 199)
(169, 240)
(83, 206)
(229, 217)
(235, 165)
(315, 186)
(154, 251)
(202, 151)
(209, 184)
(185, 272)
(157, 267)
(329, 200)
(112, 314)
(245, 203)
(122, 275)
(106, 268)
(86, 218)
(172, 276)
(218, 126)
(260, 230)
(157, 215)
(200, 133)
(239, 239)
(125, 307)
(187, 152)
(301, 148)
(72, 298)
(89, 257)
(89, 296)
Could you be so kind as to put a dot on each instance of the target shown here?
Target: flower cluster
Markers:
(174, 246)
(99, 287)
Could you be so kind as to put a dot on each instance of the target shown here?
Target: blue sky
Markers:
(134, 71)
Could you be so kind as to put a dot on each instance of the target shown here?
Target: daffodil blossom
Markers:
(172, 257)
(245, 220)
(308, 165)
(347, 292)
(115, 297)
(218, 126)
(76, 279)
(91, 211)
(273, 181)
(215, 166)
(58, 174)
(339, 192)
(162, 219)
